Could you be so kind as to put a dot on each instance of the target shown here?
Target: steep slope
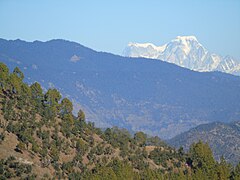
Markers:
(224, 139)
(156, 97)
(40, 138)
(187, 52)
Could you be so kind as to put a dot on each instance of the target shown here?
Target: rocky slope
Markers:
(224, 139)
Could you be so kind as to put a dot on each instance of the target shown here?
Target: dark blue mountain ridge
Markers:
(156, 97)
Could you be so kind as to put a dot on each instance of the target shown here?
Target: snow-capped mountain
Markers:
(141, 95)
(187, 52)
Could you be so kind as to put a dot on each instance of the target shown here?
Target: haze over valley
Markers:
(120, 90)
(139, 94)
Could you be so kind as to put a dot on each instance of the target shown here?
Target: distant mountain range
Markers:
(224, 139)
(187, 52)
(139, 94)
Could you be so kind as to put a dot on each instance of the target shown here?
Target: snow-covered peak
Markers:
(184, 51)
(187, 38)
(147, 45)
(186, 44)
(149, 50)
(144, 45)
(146, 50)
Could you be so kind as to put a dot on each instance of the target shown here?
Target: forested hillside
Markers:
(138, 94)
(40, 138)
(223, 138)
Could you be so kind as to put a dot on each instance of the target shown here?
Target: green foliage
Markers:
(48, 130)
(160, 156)
(54, 152)
(81, 146)
(4, 73)
(11, 168)
(51, 99)
(117, 137)
(103, 173)
(66, 106)
(123, 170)
(37, 92)
(2, 137)
(140, 138)
(155, 141)
(37, 95)
(151, 174)
(181, 152)
(15, 84)
(223, 170)
(202, 157)
(18, 73)
(21, 146)
(66, 126)
(35, 147)
(67, 167)
(81, 115)
(236, 172)
(202, 161)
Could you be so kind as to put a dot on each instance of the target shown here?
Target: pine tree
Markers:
(202, 160)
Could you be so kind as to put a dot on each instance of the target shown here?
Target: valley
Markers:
(139, 94)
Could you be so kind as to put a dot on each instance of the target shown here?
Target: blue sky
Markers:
(108, 25)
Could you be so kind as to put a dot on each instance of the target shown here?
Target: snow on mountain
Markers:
(147, 50)
(187, 52)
